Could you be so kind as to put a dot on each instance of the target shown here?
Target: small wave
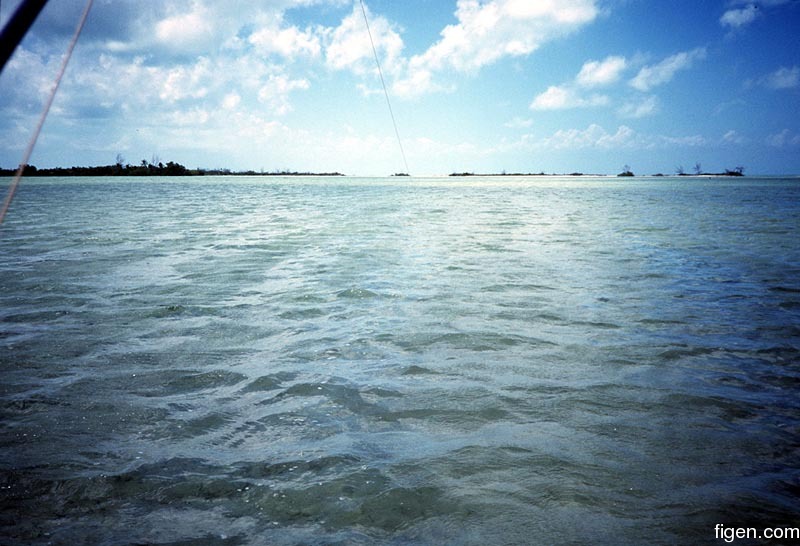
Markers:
(322, 465)
(660, 322)
(174, 382)
(456, 417)
(269, 382)
(419, 370)
(343, 396)
(468, 341)
(785, 289)
(303, 314)
(600, 325)
(684, 352)
(357, 294)
(199, 426)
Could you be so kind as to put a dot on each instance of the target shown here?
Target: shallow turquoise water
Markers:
(358, 361)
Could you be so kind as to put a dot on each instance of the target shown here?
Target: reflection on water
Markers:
(356, 361)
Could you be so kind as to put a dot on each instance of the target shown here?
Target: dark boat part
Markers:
(17, 27)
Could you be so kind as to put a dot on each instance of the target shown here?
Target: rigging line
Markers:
(29, 150)
(383, 83)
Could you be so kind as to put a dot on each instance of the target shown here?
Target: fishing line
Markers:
(383, 83)
(24, 163)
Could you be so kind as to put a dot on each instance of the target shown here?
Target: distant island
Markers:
(698, 171)
(504, 173)
(146, 168)
(626, 172)
(171, 168)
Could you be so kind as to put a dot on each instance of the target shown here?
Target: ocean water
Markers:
(244, 361)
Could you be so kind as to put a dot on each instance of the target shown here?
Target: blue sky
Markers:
(475, 85)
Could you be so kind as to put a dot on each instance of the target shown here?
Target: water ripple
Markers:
(307, 361)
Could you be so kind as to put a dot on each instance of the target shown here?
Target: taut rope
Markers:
(29, 150)
(383, 83)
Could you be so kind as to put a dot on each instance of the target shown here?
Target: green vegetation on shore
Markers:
(149, 169)
(626, 171)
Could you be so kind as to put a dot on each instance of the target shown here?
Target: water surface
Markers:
(230, 360)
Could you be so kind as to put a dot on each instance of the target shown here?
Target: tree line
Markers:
(118, 169)
(148, 168)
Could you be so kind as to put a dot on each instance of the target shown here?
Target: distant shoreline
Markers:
(149, 169)
(176, 169)
(622, 174)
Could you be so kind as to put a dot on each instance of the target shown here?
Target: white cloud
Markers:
(418, 82)
(783, 78)
(689, 140)
(348, 46)
(27, 78)
(194, 117)
(519, 123)
(640, 109)
(287, 42)
(231, 101)
(728, 105)
(655, 75)
(186, 31)
(488, 31)
(598, 73)
(594, 136)
(739, 17)
(572, 95)
(784, 139)
(275, 93)
(732, 137)
(561, 98)
(743, 12)
(186, 81)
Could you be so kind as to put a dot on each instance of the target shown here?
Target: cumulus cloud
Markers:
(348, 45)
(733, 137)
(597, 137)
(488, 31)
(560, 98)
(231, 101)
(418, 82)
(519, 123)
(743, 12)
(594, 136)
(287, 42)
(784, 139)
(275, 92)
(661, 73)
(27, 77)
(186, 31)
(186, 81)
(639, 109)
(686, 141)
(573, 94)
(599, 73)
(739, 17)
(783, 78)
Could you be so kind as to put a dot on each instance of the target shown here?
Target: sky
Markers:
(484, 86)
